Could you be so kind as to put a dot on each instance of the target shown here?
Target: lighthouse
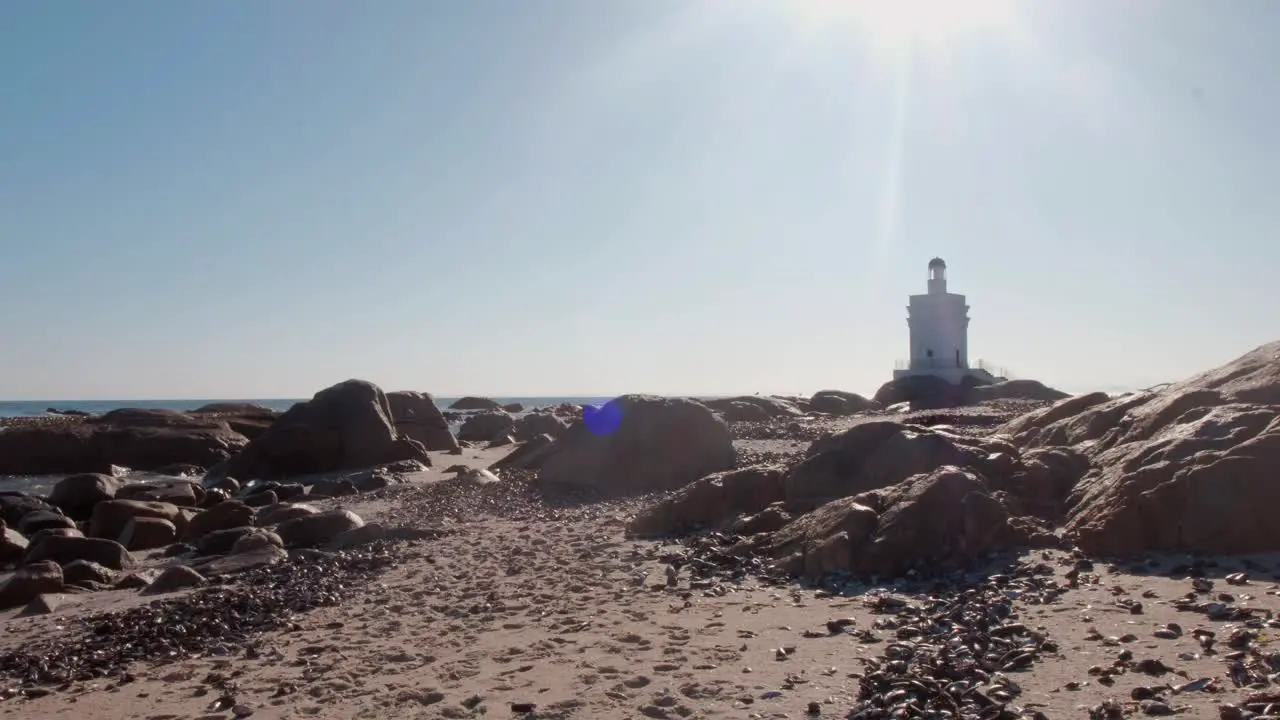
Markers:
(938, 322)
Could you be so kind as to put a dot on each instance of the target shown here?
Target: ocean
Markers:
(41, 484)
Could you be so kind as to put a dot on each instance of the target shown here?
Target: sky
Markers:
(261, 198)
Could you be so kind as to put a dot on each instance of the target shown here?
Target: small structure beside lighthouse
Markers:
(939, 326)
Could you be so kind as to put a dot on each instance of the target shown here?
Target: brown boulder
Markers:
(182, 493)
(15, 505)
(1015, 390)
(87, 572)
(1202, 484)
(417, 417)
(33, 523)
(147, 533)
(77, 494)
(527, 455)
(223, 516)
(711, 502)
(640, 443)
(173, 579)
(475, 403)
(282, 512)
(870, 456)
(138, 439)
(346, 426)
(64, 550)
(12, 546)
(110, 517)
(30, 582)
(318, 529)
(538, 424)
(839, 402)
(485, 426)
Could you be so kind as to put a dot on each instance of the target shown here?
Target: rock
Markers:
(182, 493)
(1041, 483)
(1202, 484)
(223, 516)
(1251, 378)
(771, 519)
(355, 537)
(514, 407)
(839, 402)
(234, 408)
(33, 523)
(110, 517)
(82, 572)
(220, 542)
(173, 579)
(478, 476)
(58, 531)
(257, 540)
(1016, 390)
(347, 426)
(944, 519)
(639, 443)
(147, 533)
(485, 426)
(317, 529)
(77, 494)
(528, 455)
(181, 470)
(29, 582)
(870, 456)
(138, 439)
(475, 403)
(752, 408)
(15, 506)
(417, 417)
(261, 499)
(923, 392)
(711, 502)
(64, 550)
(264, 554)
(13, 546)
(43, 605)
(331, 488)
(281, 512)
(1072, 421)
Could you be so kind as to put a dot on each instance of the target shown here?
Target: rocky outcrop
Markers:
(346, 426)
(77, 494)
(475, 403)
(485, 426)
(539, 423)
(1015, 390)
(923, 392)
(839, 402)
(138, 439)
(1204, 483)
(944, 519)
(640, 443)
(417, 417)
(752, 408)
(711, 502)
(874, 455)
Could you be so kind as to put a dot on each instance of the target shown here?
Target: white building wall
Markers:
(938, 322)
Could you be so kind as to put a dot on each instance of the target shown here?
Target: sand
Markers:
(559, 611)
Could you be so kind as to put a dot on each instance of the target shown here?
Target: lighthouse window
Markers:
(928, 353)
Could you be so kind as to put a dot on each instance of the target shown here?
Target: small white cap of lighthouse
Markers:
(939, 327)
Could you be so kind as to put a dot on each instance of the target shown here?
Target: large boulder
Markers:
(475, 403)
(945, 519)
(874, 455)
(77, 494)
(711, 502)
(485, 426)
(223, 516)
(346, 426)
(536, 424)
(65, 550)
(1016, 390)
(13, 545)
(138, 439)
(1204, 483)
(110, 518)
(752, 408)
(923, 392)
(839, 402)
(416, 417)
(1251, 378)
(30, 582)
(640, 443)
(317, 529)
(15, 505)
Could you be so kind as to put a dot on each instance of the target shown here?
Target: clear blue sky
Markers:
(258, 198)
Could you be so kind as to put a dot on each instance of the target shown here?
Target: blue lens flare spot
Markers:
(603, 420)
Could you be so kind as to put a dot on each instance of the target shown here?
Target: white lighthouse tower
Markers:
(939, 326)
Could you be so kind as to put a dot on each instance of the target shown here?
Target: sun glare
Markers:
(898, 22)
